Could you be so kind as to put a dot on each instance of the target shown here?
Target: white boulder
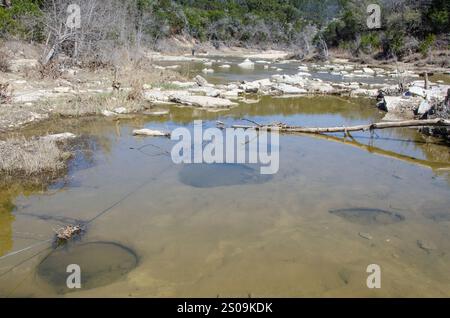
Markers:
(368, 70)
(59, 137)
(120, 110)
(201, 81)
(247, 64)
(207, 71)
(202, 101)
(415, 90)
(424, 107)
(150, 132)
(288, 89)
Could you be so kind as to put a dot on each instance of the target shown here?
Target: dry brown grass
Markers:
(5, 93)
(137, 91)
(51, 70)
(95, 65)
(86, 105)
(20, 157)
(4, 62)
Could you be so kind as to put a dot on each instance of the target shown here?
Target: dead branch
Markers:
(65, 233)
(438, 122)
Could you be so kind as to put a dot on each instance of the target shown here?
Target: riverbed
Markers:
(157, 229)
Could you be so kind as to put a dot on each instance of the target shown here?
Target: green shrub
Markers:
(393, 44)
(439, 20)
(370, 43)
(427, 44)
(11, 19)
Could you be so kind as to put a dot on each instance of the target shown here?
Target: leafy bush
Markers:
(427, 44)
(439, 20)
(393, 44)
(20, 19)
(370, 43)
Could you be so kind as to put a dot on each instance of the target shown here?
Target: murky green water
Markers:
(334, 207)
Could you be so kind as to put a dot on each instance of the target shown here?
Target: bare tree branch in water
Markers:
(438, 122)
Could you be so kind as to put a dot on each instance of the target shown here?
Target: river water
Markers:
(158, 229)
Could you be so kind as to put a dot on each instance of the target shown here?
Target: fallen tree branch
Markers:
(438, 122)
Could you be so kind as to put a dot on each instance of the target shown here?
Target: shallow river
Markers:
(160, 229)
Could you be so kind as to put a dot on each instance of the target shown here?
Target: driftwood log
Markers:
(438, 122)
(320, 133)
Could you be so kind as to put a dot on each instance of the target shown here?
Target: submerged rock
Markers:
(101, 263)
(156, 113)
(367, 236)
(220, 175)
(426, 246)
(368, 216)
(438, 216)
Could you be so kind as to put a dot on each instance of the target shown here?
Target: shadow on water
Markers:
(367, 216)
(220, 175)
(101, 263)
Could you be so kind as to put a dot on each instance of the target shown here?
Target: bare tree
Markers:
(323, 47)
(101, 26)
(5, 3)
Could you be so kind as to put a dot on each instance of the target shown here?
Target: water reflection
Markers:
(220, 175)
(208, 230)
(6, 221)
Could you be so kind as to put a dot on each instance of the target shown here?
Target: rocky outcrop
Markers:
(201, 81)
(438, 110)
(417, 102)
(401, 105)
